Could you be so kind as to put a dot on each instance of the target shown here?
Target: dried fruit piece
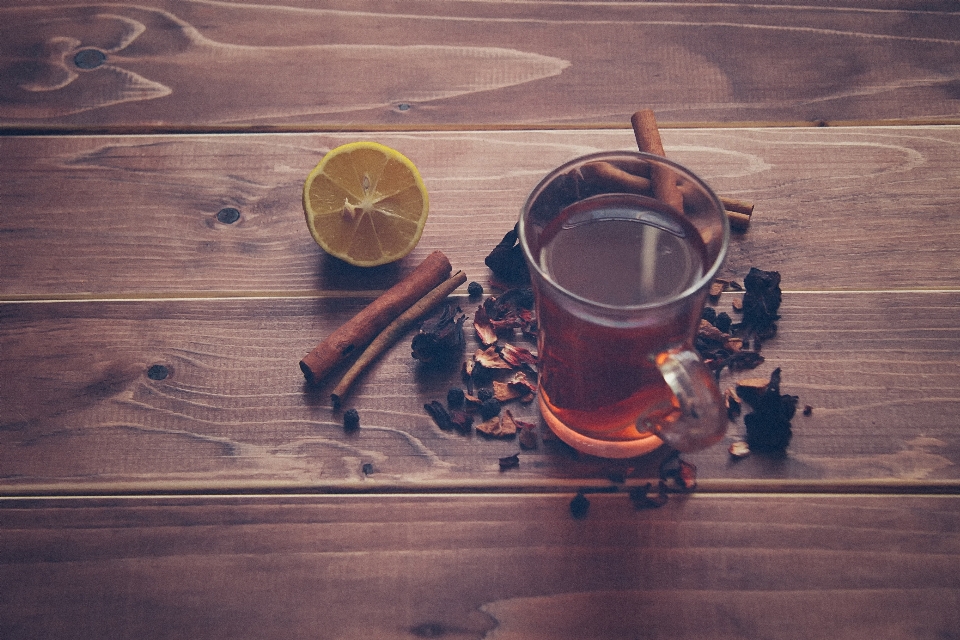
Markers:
(506, 261)
(509, 462)
(768, 426)
(761, 302)
(351, 420)
(440, 338)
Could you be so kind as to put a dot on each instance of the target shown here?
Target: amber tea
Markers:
(620, 284)
(613, 251)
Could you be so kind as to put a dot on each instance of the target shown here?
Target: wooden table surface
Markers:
(165, 472)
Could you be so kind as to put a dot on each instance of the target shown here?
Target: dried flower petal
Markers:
(440, 338)
(505, 392)
(761, 303)
(501, 426)
(490, 359)
(484, 328)
(527, 435)
(768, 426)
(440, 415)
(506, 261)
(509, 462)
(739, 449)
(517, 356)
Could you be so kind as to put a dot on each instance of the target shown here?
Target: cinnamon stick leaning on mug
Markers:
(648, 140)
(364, 327)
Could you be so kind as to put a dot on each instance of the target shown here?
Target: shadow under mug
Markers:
(622, 248)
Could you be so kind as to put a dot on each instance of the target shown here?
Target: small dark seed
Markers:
(351, 419)
(484, 394)
(475, 289)
(489, 408)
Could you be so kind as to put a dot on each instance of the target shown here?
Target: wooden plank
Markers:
(79, 410)
(850, 208)
(160, 64)
(472, 566)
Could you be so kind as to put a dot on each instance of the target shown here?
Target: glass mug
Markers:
(620, 277)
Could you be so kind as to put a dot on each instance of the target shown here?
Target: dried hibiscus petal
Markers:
(484, 328)
(440, 338)
(509, 462)
(761, 302)
(768, 425)
(506, 261)
(501, 426)
(505, 392)
(490, 359)
(440, 415)
(518, 356)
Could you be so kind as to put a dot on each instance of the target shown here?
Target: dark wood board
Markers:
(862, 208)
(162, 64)
(472, 567)
(79, 410)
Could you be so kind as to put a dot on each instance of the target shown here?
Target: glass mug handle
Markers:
(699, 419)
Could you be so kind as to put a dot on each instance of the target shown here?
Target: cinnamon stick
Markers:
(393, 331)
(370, 321)
(648, 140)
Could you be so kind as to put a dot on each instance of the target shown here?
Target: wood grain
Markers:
(241, 64)
(475, 566)
(837, 209)
(80, 412)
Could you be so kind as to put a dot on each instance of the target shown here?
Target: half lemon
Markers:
(366, 204)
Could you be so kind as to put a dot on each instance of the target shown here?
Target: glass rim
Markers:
(700, 283)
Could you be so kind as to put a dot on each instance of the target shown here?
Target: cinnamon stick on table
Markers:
(392, 332)
(370, 321)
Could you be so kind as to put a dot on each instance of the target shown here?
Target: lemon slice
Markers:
(365, 203)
